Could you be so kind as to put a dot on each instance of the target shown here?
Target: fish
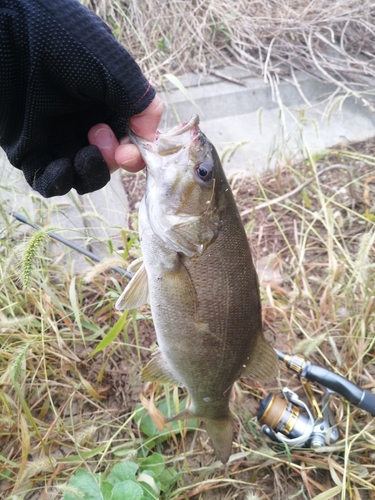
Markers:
(198, 275)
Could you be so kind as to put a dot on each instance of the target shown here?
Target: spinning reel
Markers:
(291, 421)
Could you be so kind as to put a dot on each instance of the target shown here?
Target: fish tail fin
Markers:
(221, 433)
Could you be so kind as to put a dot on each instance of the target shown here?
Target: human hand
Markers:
(123, 153)
(67, 74)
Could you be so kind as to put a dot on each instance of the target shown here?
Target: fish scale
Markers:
(200, 279)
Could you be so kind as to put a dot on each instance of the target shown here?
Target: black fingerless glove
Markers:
(61, 72)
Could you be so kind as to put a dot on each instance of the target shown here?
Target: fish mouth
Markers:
(183, 127)
(169, 143)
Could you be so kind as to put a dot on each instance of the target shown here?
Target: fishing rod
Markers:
(287, 420)
(71, 245)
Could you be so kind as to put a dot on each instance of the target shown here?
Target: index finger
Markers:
(146, 123)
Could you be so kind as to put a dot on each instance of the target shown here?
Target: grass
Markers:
(64, 409)
(332, 42)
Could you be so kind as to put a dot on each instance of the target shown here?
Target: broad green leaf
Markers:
(151, 489)
(86, 484)
(167, 477)
(106, 489)
(127, 490)
(145, 423)
(122, 472)
(111, 335)
(154, 462)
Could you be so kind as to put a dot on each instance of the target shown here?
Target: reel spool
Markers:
(290, 421)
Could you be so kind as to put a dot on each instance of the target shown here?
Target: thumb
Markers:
(146, 123)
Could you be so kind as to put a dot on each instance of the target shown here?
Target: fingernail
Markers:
(128, 162)
(128, 155)
(103, 137)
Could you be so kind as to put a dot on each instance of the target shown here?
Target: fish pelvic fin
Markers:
(136, 292)
(220, 431)
(157, 370)
(263, 363)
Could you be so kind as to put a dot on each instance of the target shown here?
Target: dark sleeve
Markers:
(61, 72)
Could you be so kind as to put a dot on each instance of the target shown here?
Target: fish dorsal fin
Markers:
(263, 363)
(136, 292)
(157, 370)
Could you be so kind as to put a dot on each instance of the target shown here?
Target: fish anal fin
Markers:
(136, 292)
(263, 363)
(157, 370)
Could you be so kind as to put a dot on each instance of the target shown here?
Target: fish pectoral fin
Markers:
(134, 266)
(263, 363)
(136, 292)
(157, 370)
(194, 235)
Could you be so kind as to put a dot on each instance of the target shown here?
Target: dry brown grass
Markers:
(61, 410)
(333, 41)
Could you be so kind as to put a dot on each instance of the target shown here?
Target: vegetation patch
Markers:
(71, 422)
(332, 41)
(70, 418)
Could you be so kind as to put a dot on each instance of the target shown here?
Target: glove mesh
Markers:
(61, 72)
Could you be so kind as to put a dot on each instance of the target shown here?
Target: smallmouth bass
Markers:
(199, 277)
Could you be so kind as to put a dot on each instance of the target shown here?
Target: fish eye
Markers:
(204, 171)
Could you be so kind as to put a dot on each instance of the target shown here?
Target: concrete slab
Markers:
(255, 126)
